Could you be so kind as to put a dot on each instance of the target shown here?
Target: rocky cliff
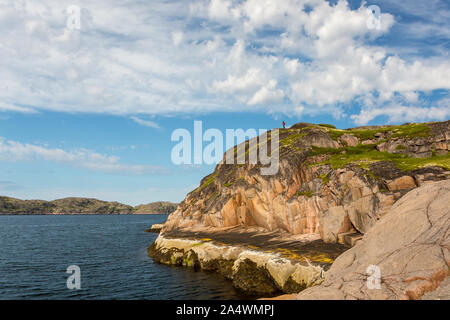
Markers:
(333, 187)
(79, 206)
(330, 181)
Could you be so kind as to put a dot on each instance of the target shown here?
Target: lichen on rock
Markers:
(252, 271)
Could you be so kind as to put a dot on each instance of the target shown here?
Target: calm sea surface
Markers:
(111, 252)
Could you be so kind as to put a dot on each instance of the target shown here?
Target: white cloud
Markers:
(292, 66)
(177, 37)
(251, 81)
(400, 113)
(267, 94)
(169, 57)
(299, 111)
(220, 10)
(8, 107)
(146, 123)
(82, 158)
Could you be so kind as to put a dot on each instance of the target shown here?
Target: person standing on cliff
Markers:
(284, 124)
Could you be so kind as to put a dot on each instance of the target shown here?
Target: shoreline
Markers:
(278, 265)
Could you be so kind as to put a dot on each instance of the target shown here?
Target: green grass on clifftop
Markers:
(364, 155)
(292, 138)
(207, 182)
(413, 130)
(326, 125)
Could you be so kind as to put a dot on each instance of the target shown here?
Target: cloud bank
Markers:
(13, 151)
(177, 57)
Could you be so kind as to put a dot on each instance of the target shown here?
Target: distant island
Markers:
(160, 207)
(11, 206)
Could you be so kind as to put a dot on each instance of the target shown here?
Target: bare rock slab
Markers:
(409, 246)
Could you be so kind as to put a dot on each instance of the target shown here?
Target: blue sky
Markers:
(90, 111)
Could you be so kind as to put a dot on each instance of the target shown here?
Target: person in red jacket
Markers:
(284, 124)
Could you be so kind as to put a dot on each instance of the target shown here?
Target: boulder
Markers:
(333, 222)
(405, 182)
(156, 228)
(370, 141)
(405, 255)
(362, 212)
(349, 139)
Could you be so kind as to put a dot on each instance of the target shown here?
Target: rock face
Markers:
(410, 246)
(422, 147)
(336, 186)
(330, 181)
(334, 221)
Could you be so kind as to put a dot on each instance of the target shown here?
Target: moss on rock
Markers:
(252, 279)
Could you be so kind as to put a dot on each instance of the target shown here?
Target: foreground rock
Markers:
(258, 263)
(411, 247)
(156, 228)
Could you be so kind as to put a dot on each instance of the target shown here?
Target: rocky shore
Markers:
(155, 228)
(259, 263)
(335, 189)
